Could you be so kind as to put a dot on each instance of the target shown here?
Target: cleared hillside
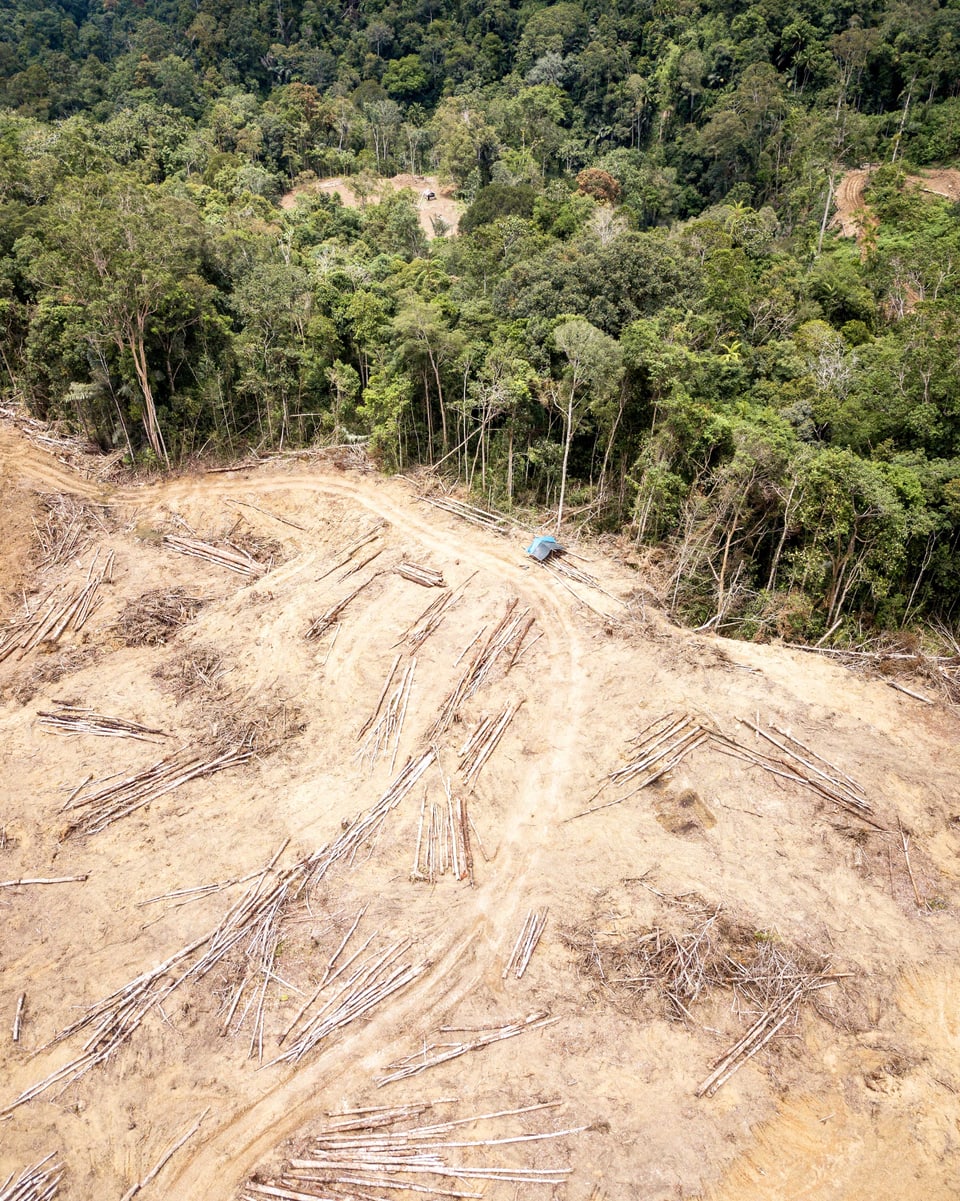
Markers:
(382, 793)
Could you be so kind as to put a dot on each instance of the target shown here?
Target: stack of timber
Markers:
(379, 1148)
(71, 719)
(420, 575)
(434, 1053)
(60, 610)
(443, 842)
(382, 729)
(233, 558)
(480, 745)
(432, 616)
(533, 927)
(374, 980)
(252, 923)
(481, 517)
(505, 643)
(39, 1183)
(104, 803)
(320, 625)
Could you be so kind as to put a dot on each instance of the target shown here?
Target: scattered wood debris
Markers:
(434, 1053)
(66, 523)
(433, 615)
(443, 842)
(227, 555)
(320, 625)
(420, 575)
(155, 616)
(346, 555)
(769, 980)
(533, 927)
(379, 1148)
(71, 719)
(104, 803)
(480, 745)
(39, 1183)
(250, 925)
(56, 612)
(201, 668)
(504, 641)
(372, 982)
(660, 747)
(164, 1159)
(388, 728)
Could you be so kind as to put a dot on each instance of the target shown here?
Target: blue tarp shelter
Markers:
(543, 547)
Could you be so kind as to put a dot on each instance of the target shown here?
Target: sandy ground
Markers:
(442, 207)
(859, 1097)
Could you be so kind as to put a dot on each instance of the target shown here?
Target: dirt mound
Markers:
(495, 869)
(438, 212)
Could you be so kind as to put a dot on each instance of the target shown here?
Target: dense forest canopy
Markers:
(646, 320)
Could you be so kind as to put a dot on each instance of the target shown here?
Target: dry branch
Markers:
(104, 806)
(433, 615)
(248, 931)
(504, 642)
(481, 744)
(533, 927)
(39, 1183)
(494, 522)
(656, 750)
(18, 1017)
(42, 880)
(440, 1052)
(56, 612)
(443, 842)
(71, 719)
(164, 1159)
(388, 729)
(320, 625)
(346, 555)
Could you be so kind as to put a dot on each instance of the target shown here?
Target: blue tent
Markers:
(543, 547)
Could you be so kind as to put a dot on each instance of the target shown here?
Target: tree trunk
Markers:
(154, 435)
(568, 438)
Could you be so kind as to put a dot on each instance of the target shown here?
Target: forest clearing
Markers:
(346, 851)
(435, 204)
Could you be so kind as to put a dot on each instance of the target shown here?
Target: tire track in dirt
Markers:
(232, 1151)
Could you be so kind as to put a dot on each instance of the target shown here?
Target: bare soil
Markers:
(857, 1098)
(852, 217)
(441, 207)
